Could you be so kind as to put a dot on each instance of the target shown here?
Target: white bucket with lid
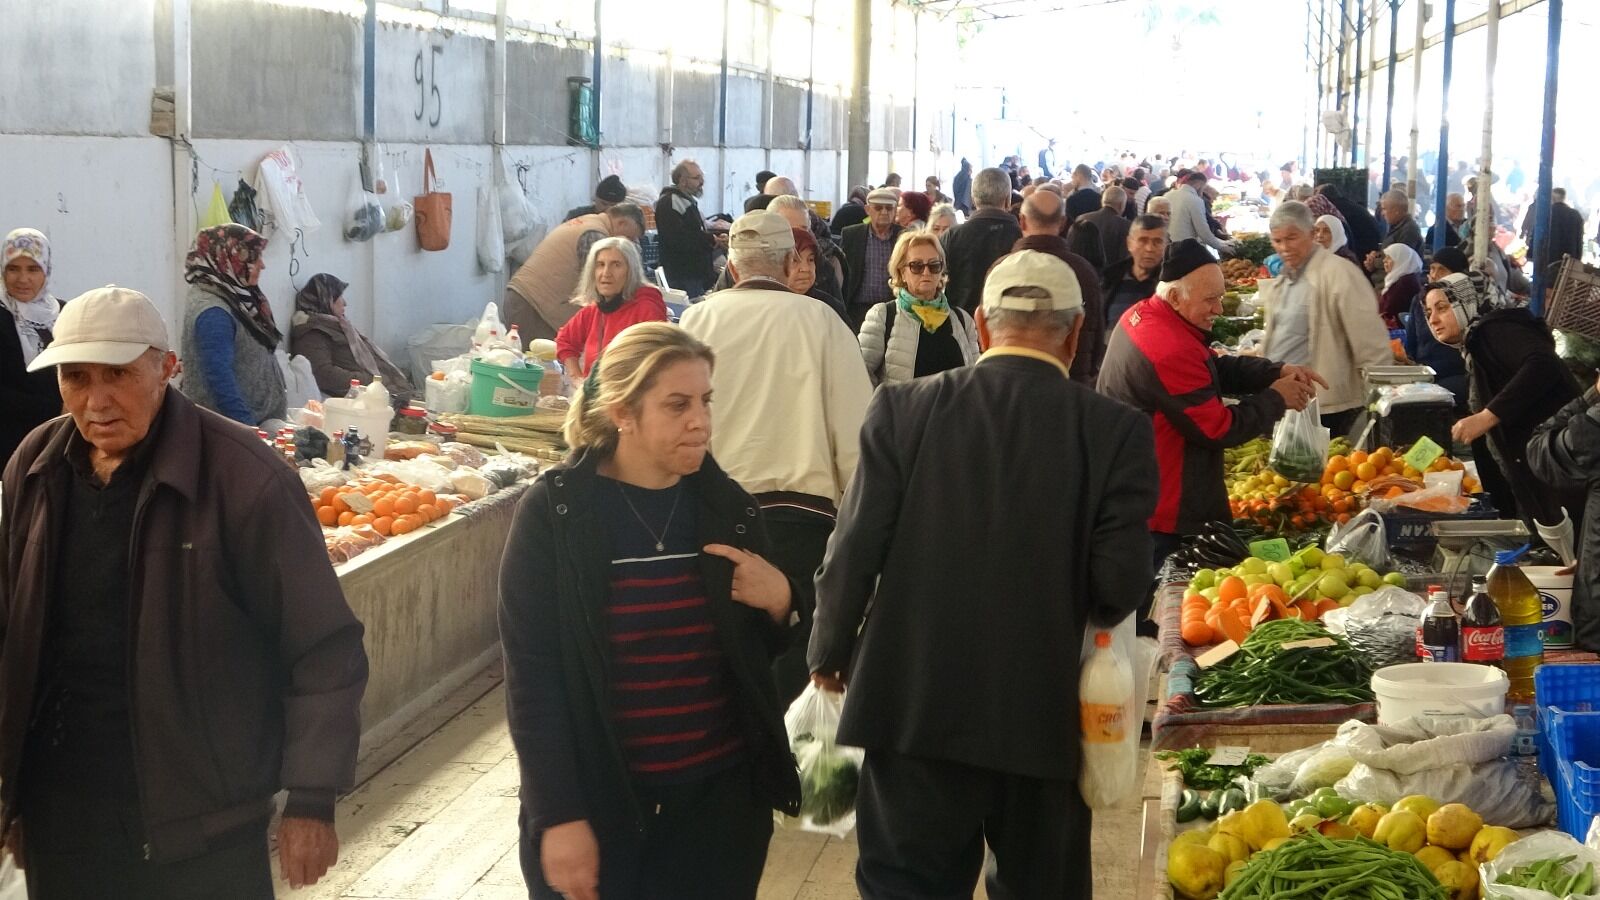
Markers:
(1439, 689)
(1555, 595)
(338, 414)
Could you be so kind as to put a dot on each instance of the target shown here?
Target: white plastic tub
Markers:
(1555, 594)
(1441, 689)
(338, 414)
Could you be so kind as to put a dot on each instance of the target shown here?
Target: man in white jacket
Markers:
(791, 393)
(1322, 315)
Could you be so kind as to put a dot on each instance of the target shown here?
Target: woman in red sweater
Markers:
(613, 295)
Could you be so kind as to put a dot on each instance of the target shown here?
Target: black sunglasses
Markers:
(918, 267)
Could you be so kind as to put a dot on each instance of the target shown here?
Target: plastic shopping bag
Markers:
(491, 240)
(217, 210)
(365, 219)
(286, 207)
(1113, 688)
(828, 772)
(1535, 847)
(1300, 445)
(1362, 538)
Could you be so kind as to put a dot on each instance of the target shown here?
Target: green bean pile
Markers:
(1315, 867)
(1262, 672)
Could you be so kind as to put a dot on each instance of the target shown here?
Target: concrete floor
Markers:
(440, 823)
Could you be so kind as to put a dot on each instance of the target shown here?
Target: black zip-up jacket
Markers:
(554, 587)
(246, 664)
(1565, 454)
(686, 245)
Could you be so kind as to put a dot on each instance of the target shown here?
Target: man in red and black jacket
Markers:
(1160, 361)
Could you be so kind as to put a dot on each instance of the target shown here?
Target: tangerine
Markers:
(1232, 588)
(383, 507)
(327, 495)
(1344, 480)
(346, 517)
(339, 504)
(428, 511)
(383, 525)
(327, 515)
(426, 497)
(1358, 457)
(362, 519)
(401, 526)
(1366, 471)
(1338, 464)
(405, 504)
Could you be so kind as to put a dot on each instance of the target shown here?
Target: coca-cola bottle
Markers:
(1483, 637)
(1441, 632)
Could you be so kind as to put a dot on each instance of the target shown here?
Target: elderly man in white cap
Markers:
(998, 512)
(867, 248)
(791, 391)
(176, 648)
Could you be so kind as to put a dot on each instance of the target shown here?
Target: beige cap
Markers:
(111, 326)
(884, 197)
(1032, 281)
(760, 230)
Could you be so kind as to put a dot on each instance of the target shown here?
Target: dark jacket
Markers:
(1452, 238)
(1450, 370)
(972, 657)
(27, 399)
(1081, 202)
(322, 341)
(1113, 233)
(1360, 228)
(1406, 233)
(971, 248)
(850, 213)
(1112, 278)
(554, 587)
(961, 190)
(1091, 339)
(686, 246)
(1513, 371)
(246, 663)
(1565, 453)
(854, 244)
(1566, 233)
(1159, 363)
(1397, 299)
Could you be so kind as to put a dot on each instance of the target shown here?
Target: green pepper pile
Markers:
(1553, 877)
(1313, 865)
(1263, 673)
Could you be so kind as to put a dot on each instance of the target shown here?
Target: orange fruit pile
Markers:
(1352, 475)
(387, 504)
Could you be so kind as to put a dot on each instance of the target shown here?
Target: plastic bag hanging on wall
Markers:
(217, 210)
(491, 240)
(365, 219)
(243, 208)
(278, 181)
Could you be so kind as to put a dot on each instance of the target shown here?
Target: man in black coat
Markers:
(1043, 215)
(1565, 453)
(867, 248)
(686, 245)
(972, 247)
(1566, 230)
(962, 683)
(1113, 228)
(1083, 199)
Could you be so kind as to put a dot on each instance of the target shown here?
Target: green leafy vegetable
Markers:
(1199, 774)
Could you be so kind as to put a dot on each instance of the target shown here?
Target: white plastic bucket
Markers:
(1555, 594)
(338, 414)
(1440, 689)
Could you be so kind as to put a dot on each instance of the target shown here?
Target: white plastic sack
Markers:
(422, 472)
(283, 201)
(518, 218)
(1452, 760)
(1109, 783)
(450, 394)
(300, 383)
(1534, 847)
(491, 242)
(828, 771)
(1382, 625)
(436, 342)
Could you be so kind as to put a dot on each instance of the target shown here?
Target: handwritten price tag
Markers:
(1274, 550)
(1216, 654)
(1423, 453)
(1309, 643)
(1228, 756)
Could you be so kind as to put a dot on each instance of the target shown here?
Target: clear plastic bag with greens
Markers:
(1300, 445)
(829, 772)
(1362, 538)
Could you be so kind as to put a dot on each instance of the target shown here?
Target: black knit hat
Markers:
(1451, 258)
(1184, 257)
(611, 190)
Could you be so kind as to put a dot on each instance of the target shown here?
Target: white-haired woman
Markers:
(942, 219)
(613, 295)
(639, 619)
(918, 332)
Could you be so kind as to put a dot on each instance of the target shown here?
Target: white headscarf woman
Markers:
(1403, 261)
(25, 262)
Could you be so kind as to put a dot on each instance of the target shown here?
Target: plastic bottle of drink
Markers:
(355, 390)
(1523, 615)
(1483, 634)
(1433, 590)
(1105, 688)
(1441, 632)
(514, 339)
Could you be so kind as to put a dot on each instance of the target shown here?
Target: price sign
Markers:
(1216, 654)
(1274, 550)
(1423, 453)
(1228, 756)
(1309, 643)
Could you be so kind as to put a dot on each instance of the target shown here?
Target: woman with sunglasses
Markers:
(918, 332)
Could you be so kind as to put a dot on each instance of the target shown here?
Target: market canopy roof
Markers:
(992, 10)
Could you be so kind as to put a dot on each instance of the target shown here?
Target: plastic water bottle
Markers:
(1522, 614)
(1105, 688)
(514, 339)
(355, 390)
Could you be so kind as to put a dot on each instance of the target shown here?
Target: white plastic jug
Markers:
(1105, 704)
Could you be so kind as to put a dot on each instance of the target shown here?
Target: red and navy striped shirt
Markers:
(672, 692)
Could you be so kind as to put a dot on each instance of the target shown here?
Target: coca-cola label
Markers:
(1483, 645)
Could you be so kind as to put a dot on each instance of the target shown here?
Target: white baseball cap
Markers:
(761, 230)
(110, 326)
(1032, 281)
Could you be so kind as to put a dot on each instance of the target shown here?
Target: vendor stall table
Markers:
(428, 601)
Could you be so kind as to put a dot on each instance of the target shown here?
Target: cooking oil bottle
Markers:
(1523, 616)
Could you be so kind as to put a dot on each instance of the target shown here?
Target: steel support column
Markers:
(1547, 155)
(1355, 103)
(1441, 179)
(1484, 227)
(1414, 165)
(1388, 109)
(860, 100)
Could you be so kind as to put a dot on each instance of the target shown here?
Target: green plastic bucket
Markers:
(504, 390)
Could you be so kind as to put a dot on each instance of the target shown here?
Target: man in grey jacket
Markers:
(175, 646)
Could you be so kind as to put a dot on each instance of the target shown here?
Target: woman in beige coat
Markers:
(1322, 313)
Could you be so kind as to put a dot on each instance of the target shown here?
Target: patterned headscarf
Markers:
(34, 318)
(1471, 295)
(1322, 206)
(220, 261)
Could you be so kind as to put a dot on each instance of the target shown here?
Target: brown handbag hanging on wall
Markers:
(432, 210)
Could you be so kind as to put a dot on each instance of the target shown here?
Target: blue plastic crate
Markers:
(1569, 740)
